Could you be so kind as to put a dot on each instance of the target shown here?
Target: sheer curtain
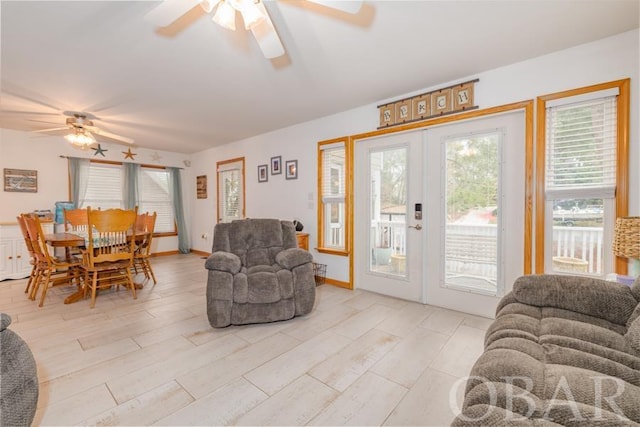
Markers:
(130, 184)
(176, 197)
(79, 178)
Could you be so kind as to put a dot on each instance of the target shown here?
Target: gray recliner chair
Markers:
(18, 378)
(257, 273)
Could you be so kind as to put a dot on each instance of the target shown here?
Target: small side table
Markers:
(303, 240)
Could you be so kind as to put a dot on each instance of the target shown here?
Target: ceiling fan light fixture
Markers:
(225, 16)
(80, 139)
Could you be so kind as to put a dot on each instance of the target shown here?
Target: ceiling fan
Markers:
(254, 14)
(82, 130)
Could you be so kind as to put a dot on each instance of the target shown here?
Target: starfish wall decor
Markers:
(128, 154)
(99, 150)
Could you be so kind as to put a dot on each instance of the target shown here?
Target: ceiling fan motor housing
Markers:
(79, 121)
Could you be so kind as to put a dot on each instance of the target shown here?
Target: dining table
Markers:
(70, 240)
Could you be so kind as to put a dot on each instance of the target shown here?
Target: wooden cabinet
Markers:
(303, 240)
(14, 257)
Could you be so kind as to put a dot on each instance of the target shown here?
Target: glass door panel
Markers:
(471, 249)
(388, 197)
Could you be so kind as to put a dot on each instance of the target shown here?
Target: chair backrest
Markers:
(111, 235)
(36, 237)
(75, 220)
(25, 234)
(141, 221)
(255, 241)
(148, 227)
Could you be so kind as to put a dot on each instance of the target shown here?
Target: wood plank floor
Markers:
(358, 359)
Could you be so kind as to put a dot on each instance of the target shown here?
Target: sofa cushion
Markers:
(223, 261)
(19, 378)
(633, 334)
(598, 298)
(263, 288)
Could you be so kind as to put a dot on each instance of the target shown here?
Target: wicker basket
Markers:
(626, 242)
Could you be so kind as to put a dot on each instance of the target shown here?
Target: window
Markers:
(105, 190)
(583, 177)
(332, 188)
(472, 220)
(230, 190)
(154, 196)
(104, 186)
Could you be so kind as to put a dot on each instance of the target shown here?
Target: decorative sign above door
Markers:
(448, 100)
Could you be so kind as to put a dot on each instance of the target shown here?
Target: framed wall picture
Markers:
(387, 115)
(263, 173)
(441, 102)
(403, 111)
(276, 165)
(21, 180)
(421, 106)
(201, 187)
(291, 169)
(462, 96)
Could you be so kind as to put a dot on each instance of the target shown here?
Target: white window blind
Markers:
(104, 187)
(154, 196)
(581, 148)
(230, 191)
(333, 188)
(333, 172)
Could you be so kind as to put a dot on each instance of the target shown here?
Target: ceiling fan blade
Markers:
(51, 130)
(113, 136)
(348, 6)
(267, 37)
(208, 5)
(169, 10)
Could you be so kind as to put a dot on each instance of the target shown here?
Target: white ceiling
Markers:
(196, 85)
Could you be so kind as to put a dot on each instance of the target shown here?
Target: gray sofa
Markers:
(257, 273)
(563, 350)
(18, 378)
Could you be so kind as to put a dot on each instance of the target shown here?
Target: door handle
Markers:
(417, 227)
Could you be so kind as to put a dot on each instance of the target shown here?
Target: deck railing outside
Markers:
(471, 248)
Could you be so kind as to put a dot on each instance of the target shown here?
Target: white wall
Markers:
(601, 61)
(24, 150)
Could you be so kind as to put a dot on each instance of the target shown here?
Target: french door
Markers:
(465, 181)
(476, 218)
(388, 186)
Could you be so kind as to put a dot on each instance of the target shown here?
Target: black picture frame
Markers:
(263, 173)
(276, 165)
(291, 169)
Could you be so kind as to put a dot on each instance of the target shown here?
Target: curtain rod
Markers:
(115, 162)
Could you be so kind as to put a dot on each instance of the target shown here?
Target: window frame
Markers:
(243, 177)
(347, 177)
(175, 225)
(102, 162)
(114, 163)
(621, 196)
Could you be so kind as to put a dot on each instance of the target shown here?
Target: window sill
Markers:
(167, 234)
(329, 251)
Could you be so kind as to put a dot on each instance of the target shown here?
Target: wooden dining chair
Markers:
(143, 249)
(75, 221)
(110, 248)
(52, 271)
(33, 261)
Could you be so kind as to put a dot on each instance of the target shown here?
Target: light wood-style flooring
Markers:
(358, 359)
